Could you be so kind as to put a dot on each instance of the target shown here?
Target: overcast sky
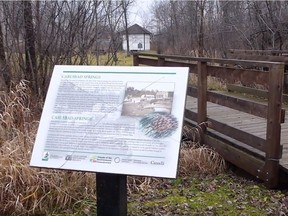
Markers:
(140, 10)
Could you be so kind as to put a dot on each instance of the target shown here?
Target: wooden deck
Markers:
(245, 122)
(238, 125)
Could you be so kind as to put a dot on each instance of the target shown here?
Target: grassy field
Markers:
(204, 186)
(123, 59)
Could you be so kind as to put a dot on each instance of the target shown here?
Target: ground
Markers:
(222, 194)
(199, 194)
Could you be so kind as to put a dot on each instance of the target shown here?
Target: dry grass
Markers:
(213, 83)
(25, 190)
(14, 108)
(198, 158)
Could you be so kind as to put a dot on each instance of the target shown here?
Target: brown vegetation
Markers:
(26, 190)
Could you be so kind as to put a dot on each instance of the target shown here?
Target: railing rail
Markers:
(228, 69)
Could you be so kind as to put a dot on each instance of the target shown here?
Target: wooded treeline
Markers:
(36, 35)
(210, 28)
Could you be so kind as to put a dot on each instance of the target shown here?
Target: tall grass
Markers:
(25, 190)
(198, 158)
(34, 191)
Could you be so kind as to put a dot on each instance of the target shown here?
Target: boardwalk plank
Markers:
(246, 122)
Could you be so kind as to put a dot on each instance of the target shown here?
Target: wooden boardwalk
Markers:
(239, 137)
(245, 122)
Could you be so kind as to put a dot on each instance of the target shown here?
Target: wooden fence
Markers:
(265, 168)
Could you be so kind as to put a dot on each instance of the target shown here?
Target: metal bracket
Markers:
(273, 160)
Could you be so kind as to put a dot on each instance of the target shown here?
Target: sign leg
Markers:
(111, 194)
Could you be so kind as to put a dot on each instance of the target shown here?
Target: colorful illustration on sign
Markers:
(158, 124)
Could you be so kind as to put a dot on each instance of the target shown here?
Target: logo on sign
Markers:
(45, 156)
(93, 159)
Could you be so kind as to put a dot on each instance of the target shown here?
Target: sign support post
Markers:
(111, 192)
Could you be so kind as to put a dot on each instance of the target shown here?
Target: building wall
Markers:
(135, 39)
(147, 39)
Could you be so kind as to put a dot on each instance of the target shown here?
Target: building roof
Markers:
(136, 29)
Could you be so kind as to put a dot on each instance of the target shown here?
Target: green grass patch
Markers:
(223, 194)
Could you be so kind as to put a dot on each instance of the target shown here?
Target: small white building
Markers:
(139, 38)
(147, 97)
(162, 95)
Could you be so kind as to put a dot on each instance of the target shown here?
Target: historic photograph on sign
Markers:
(142, 98)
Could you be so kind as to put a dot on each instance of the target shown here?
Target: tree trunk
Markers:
(124, 5)
(5, 73)
(30, 53)
(201, 29)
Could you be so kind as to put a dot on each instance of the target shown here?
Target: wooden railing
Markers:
(263, 55)
(266, 168)
(260, 55)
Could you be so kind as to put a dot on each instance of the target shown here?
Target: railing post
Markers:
(202, 92)
(161, 61)
(273, 132)
(135, 59)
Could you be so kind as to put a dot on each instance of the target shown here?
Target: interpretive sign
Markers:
(121, 120)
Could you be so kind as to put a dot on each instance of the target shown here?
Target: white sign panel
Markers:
(122, 120)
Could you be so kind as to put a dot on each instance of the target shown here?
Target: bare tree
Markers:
(30, 52)
(201, 29)
(114, 15)
(212, 27)
(5, 73)
(125, 4)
